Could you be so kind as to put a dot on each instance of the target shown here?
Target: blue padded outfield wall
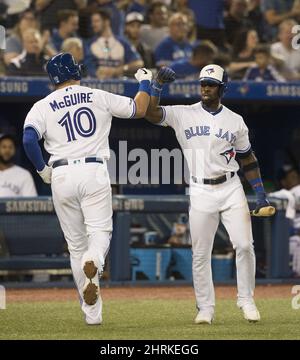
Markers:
(33, 239)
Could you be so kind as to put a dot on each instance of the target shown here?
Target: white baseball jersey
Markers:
(16, 181)
(75, 121)
(209, 141)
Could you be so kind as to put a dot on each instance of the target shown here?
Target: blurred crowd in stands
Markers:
(253, 39)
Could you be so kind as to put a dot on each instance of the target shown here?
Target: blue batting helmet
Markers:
(214, 74)
(62, 67)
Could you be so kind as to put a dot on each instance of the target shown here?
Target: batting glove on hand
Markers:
(165, 75)
(46, 174)
(143, 74)
(261, 201)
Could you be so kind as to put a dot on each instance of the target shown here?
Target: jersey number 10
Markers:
(74, 125)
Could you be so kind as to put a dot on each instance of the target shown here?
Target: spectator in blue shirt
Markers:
(106, 55)
(263, 70)
(276, 11)
(67, 27)
(175, 46)
(189, 69)
(209, 19)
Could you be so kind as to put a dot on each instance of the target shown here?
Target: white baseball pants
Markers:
(208, 205)
(82, 200)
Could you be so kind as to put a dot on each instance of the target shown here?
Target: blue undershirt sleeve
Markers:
(32, 148)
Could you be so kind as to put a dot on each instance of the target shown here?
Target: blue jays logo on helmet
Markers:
(214, 74)
(63, 67)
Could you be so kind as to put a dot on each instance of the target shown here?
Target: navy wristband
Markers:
(145, 86)
(257, 185)
(156, 88)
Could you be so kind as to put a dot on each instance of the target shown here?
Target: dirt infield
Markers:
(139, 293)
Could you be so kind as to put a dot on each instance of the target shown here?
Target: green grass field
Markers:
(147, 319)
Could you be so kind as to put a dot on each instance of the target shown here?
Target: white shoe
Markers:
(204, 317)
(93, 322)
(250, 312)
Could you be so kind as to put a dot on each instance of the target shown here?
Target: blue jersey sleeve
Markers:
(250, 74)
(90, 61)
(163, 53)
(130, 54)
(183, 68)
(32, 148)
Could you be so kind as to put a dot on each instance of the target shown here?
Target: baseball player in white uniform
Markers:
(211, 137)
(75, 123)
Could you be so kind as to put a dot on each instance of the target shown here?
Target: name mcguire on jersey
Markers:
(70, 100)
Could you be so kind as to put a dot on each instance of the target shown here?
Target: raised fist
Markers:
(165, 75)
(143, 74)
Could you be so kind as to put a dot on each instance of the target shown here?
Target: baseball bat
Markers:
(264, 211)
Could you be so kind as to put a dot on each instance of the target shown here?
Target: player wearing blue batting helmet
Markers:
(63, 67)
(215, 75)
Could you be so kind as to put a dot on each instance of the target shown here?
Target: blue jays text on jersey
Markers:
(203, 130)
(12, 187)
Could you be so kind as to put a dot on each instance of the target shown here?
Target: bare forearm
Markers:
(237, 66)
(81, 4)
(132, 67)
(275, 19)
(9, 56)
(251, 171)
(154, 111)
(41, 4)
(252, 174)
(142, 102)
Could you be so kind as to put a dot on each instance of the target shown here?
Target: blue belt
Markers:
(64, 162)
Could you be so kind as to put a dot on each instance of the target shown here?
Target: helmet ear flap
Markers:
(223, 85)
(83, 70)
(222, 89)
